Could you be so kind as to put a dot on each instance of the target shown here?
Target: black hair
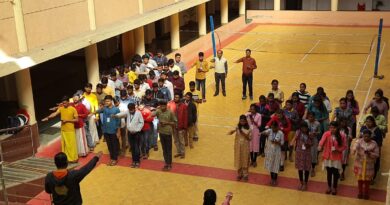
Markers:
(155, 85)
(345, 120)
(248, 50)
(175, 72)
(65, 98)
(353, 101)
(161, 80)
(274, 81)
(177, 54)
(189, 94)
(367, 132)
(131, 106)
(145, 56)
(104, 80)
(131, 87)
(141, 77)
(371, 118)
(162, 102)
(375, 110)
(113, 73)
(274, 124)
(271, 95)
(343, 99)
(304, 84)
(61, 161)
(322, 107)
(303, 124)
(200, 54)
(262, 97)
(99, 85)
(108, 97)
(192, 83)
(123, 93)
(148, 92)
(152, 73)
(289, 102)
(246, 126)
(171, 61)
(209, 197)
(337, 134)
(88, 85)
(179, 94)
(137, 82)
(253, 105)
(296, 94)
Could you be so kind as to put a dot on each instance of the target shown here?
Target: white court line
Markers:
(364, 68)
(210, 125)
(305, 56)
(314, 74)
(371, 83)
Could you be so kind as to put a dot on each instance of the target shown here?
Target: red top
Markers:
(327, 142)
(83, 114)
(300, 108)
(248, 65)
(149, 82)
(147, 115)
(178, 84)
(181, 112)
(284, 128)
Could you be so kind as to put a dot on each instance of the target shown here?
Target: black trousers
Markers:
(253, 156)
(274, 176)
(263, 139)
(377, 166)
(220, 78)
(247, 80)
(134, 141)
(201, 85)
(332, 175)
(166, 143)
(303, 175)
(113, 145)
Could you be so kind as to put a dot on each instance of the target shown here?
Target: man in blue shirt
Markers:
(110, 127)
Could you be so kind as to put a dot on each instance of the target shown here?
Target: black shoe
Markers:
(243, 97)
(281, 168)
(216, 94)
(224, 94)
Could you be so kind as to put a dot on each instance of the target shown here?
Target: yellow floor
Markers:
(280, 52)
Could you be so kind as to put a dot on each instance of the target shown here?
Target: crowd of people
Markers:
(136, 104)
(306, 124)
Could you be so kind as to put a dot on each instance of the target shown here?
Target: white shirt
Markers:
(328, 105)
(144, 86)
(123, 109)
(220, 65)
(111, 84)
(135, 121)
(169, 85)
(175, 67)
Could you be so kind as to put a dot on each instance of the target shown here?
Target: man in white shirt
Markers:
(173, 67)
(167, 83)
(137, 89)
(180, 64)
(118, 85)
(135, 122)
(221, 71)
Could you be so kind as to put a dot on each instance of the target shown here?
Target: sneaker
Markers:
(137, 165)
(133, 165)
(243, 97)
(281, 168)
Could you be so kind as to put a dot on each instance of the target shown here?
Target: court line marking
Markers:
(370, 87)
(311, 50)
(315, 74)
(364, 68)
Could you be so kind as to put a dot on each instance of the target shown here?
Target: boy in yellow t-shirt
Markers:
(131, 75)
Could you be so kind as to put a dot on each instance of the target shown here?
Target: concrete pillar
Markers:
(224, 11)
(241, 7)
(334, 5)
(25, 93)
(175, 31)
(92, 64)
(276, 5)
(202, 19)
(19, 25)
(139, 40)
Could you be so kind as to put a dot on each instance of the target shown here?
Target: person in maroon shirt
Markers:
(248, 65)
(298, 105)
(178, 83)
(273, 105)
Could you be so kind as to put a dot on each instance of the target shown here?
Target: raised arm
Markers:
(52, 115)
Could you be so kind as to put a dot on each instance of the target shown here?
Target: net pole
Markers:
(212, 36)
(378, 48)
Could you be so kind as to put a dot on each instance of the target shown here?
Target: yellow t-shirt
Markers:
(109, 91)
(131, 75)
(93, 101)
(68, 113)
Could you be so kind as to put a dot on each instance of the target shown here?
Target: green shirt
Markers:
(165, 116)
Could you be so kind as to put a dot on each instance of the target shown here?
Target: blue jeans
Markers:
(88, 135)
(201, 85)
(134, 140)
(145, 139)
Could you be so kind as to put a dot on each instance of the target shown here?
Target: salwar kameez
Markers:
(241, 151)
(273, 152)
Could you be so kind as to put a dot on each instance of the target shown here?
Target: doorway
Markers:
(293, 4)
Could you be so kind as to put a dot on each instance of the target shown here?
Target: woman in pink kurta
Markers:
(254, 120)
(366, 151)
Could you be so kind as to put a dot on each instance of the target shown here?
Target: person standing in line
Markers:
(273, 152)
(332, 143)
(278, 93)
(263, 109)
(173, 67)
(354, 105)
(166, 124)
(178, 83)
(202, 67)
(241, 148)
(303, 143)
(168, 84)
(380, 103)
(122, 105)
(197, 100)
(147, 130)
(69, 117)
(248, 65)
(221, 70)
(110, 127)
(117, 83)
(192, 119)
(347, 131)
(64, 184)
(254, 120)
(303, 95)
(135, 122)
(180, 110)
(314, 132)
(295, 120)
(180, 64)
(366, 151)
(91, 122)
(83, 113)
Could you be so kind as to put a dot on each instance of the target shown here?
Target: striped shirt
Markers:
(303, 97)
